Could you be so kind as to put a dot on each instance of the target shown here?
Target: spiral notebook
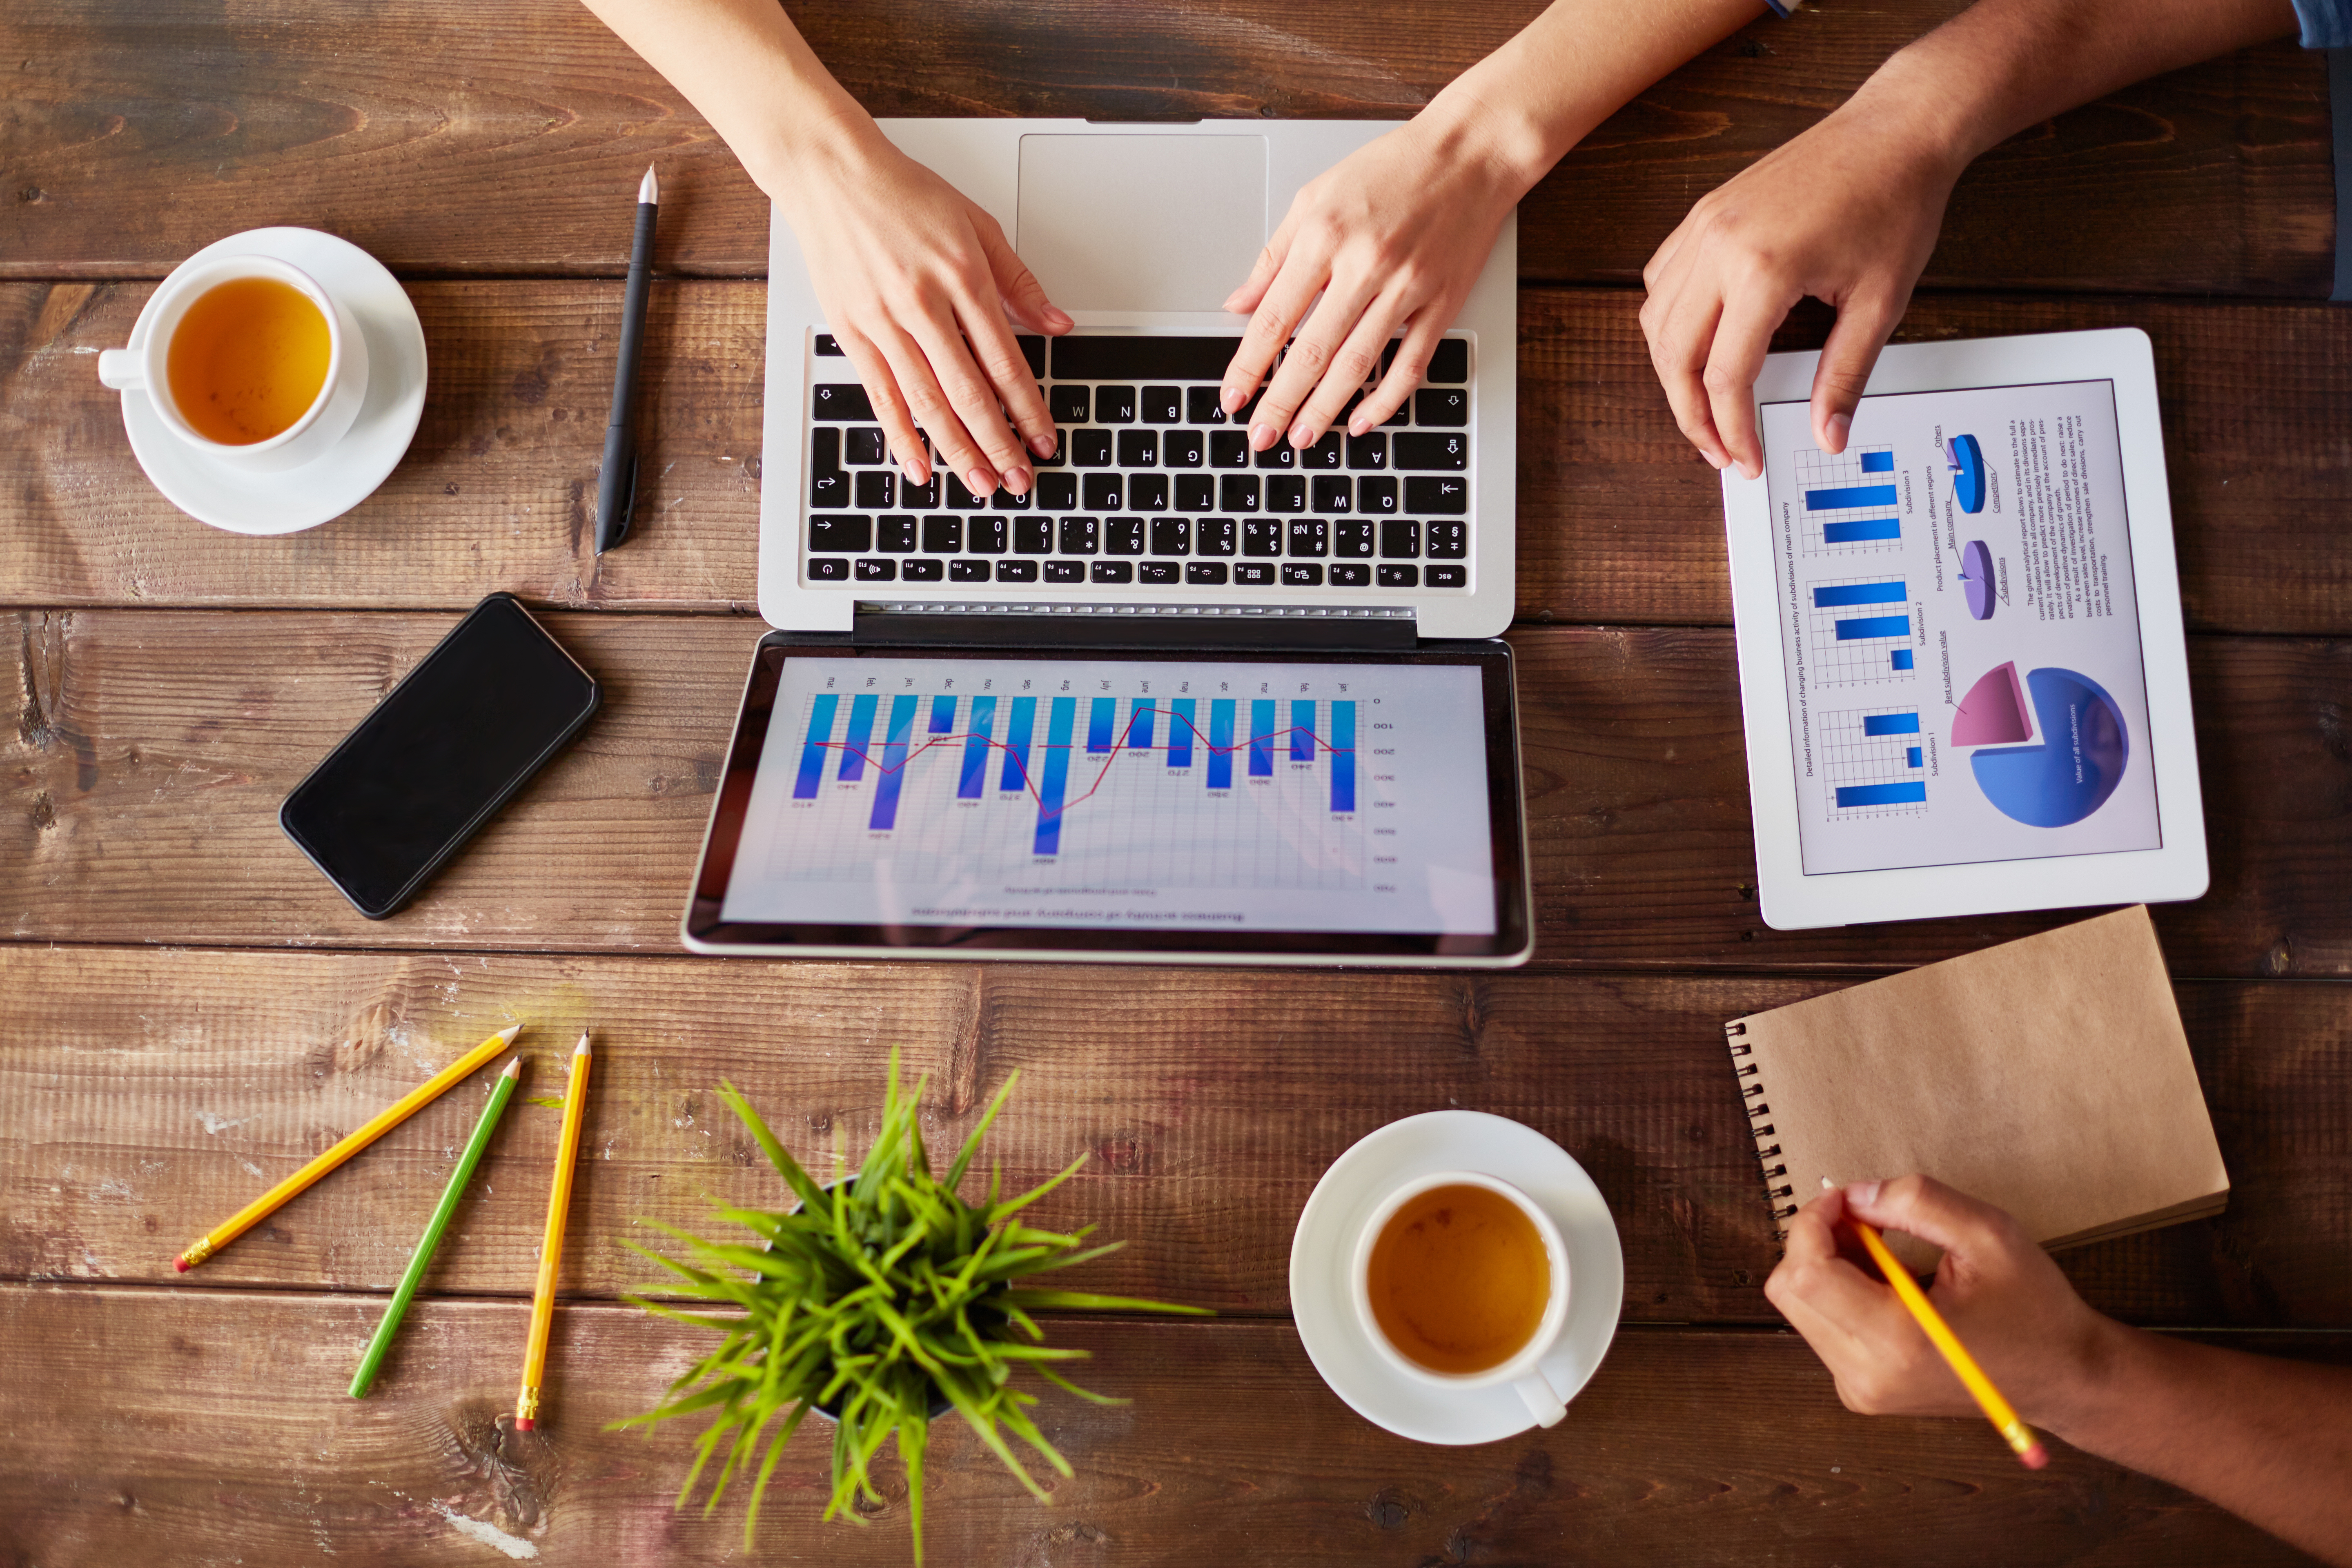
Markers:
(2049, 1076)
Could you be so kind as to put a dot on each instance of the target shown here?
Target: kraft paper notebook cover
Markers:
(2049, 1076)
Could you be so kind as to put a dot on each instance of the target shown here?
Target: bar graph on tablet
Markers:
(1861, 630)
(1876, 763)
(1850, 503)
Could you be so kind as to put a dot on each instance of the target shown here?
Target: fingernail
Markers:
(1839, 425)
(980, 482)
(1042, 445)
(1017, 480)
(1058, 317)
(1302, 435)
(1262, 436)
(1861, 1195)
(1715, 460)
(913, 476)
(1231, 398)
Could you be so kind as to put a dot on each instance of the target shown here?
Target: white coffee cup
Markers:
(143, 367)
(1523, 1371)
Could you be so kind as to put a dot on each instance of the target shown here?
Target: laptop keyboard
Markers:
(1153, 485)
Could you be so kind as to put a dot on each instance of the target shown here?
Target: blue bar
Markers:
(1180, 732)
(819, 730)
(1220, 743)
(894, 762)
(1911, 757)
(942, 715)
(1062, 718)
(1845, 593)
(1302, 731)
(1890, 725)
(1909, 793)
(1900, 658)
(1849, 496)
(861, 733)
(1878, 462)
(1260, 762)
(1016, 745)
(1343, 756)
(1138, 725)
(1875, 626)
(975, 748)
(1099, 721)
(1857, 533)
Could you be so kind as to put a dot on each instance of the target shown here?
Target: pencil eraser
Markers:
(524, 1423)
(180, 1265)
(2035, 1458)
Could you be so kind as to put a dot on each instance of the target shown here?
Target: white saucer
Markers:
(245, 502)
(1323, 1250)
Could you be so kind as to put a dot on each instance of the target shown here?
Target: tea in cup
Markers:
(247, 360)
(1461, 1281)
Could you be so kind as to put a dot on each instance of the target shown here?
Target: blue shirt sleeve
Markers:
(2327, 23)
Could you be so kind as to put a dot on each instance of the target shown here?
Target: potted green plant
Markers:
(881, 1302)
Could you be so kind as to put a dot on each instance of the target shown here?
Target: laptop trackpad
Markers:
(1142, 223)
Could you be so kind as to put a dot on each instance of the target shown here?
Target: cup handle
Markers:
(1542, 1401)
(118, 368)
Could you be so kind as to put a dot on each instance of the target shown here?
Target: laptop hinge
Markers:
(922, 623)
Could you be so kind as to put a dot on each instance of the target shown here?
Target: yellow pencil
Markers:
(550, 1247)
(384, 1121)
(1939, 1334)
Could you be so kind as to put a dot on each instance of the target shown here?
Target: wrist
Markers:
(1911, 105)
(2086, 1392)
(1480, 124)
(828, 144)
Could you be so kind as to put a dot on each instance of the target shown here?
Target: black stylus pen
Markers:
(616, 487)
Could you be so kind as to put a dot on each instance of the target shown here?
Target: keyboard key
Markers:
(863, 443)
(1398, 419)
(1206, 574)
(1446, 541)
(1080, 535)
(925, 495)
(1352, 539)
(895, 535)
(1057, 492)
(828, 486)
(1310, 536)
(1278, 455)
(1325, 453)
(957, 495)
(823, 569)
(1388, 357)
(1286, 492)
(1172, 536)
(826, 347)
(1229, 448)
(1138, 449)
(1066, 571)
(1262, 537)
(1058, 455)
(1295, 575)
(1253, 575)
(1090, 448)
(1400, 538)
(1442, 405)
(1449, 576)
(1369, 450)
(1162, 405)
(1237, 492)
(850, 535)
(1414, 449)
(1081, 357)
(1205, 406)
(1012, 571)
(1114, 406)
(878, 570)
(1334, 494)
(1195, 492)
(1214, 536)
(1005, 501)
(1400, 577)
(988, 535)
(1114, 572)
(1160, 573)
(1376, 496)
(1033, 349)
(1146, 493)
(1123, 536)
(844, 402)
(942, 535)
(1449, 362)
(1069, 405)
(877, 488)
(1447, 497)
(1101, 492)
(921, 570)
(1182, 449)
(1351, 575)
(1032, 536)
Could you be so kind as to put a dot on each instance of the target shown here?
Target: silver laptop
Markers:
(1153, 506)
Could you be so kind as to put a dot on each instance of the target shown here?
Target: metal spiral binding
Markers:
(1761, 1128)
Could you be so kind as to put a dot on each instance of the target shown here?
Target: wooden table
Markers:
(186, 1009)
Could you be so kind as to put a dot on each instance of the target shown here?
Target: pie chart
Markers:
(1968, 473)
(2084, 746)
(1993, 712)
(1976, 577)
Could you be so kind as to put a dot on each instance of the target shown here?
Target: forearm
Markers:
(1524, 106)
(744, 66)
(2270, 1440)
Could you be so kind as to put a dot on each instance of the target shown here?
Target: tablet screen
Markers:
(1156, 798)
(1960, 629)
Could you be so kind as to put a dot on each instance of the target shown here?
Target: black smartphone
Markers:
(449, 746)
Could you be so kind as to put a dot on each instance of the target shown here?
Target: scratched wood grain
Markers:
(227, 1436)
(151, 748)
(146, 1095)
(1618, 520)
(136, 132)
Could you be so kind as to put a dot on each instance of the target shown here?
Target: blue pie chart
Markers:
(2085, 748)
(1968, 473)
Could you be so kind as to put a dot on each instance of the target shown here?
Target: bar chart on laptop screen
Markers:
(1850, 501)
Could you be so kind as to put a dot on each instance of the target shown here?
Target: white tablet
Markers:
(1961, 663)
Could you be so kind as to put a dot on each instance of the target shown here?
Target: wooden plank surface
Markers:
(150, 751)
(135, 134)
(1618, 519)
(147, 1094)
(226, 1437)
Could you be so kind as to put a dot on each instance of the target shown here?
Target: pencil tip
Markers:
(649, 189)
(514, 1068)
(581, 1049)
(509, 1032)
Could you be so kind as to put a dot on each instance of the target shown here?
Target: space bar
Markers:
(1169, 358)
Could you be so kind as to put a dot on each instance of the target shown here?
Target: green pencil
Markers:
(504, 1091)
